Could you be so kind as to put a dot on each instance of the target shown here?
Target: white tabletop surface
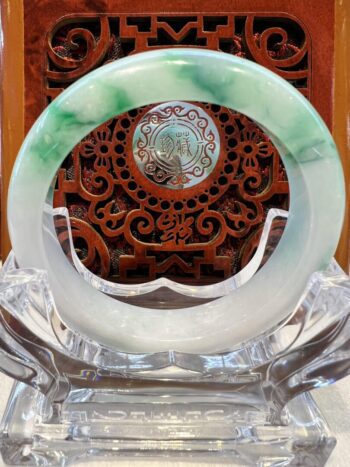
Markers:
(334, 402)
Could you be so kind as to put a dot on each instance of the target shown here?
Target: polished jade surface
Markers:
(308, 152)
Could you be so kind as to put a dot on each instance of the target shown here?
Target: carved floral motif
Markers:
(139, 228)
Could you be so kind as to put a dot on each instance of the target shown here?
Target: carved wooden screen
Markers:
(200, 234)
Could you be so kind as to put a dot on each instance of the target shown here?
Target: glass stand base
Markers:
(151, 423)
(248, 405)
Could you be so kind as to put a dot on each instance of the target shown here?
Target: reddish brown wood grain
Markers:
(64, 40)
(316, 19)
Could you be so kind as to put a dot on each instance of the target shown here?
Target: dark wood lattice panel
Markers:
(125, 228)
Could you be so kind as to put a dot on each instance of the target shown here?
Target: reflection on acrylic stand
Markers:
(249, 404)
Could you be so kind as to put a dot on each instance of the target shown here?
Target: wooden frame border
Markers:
(341, 116)
(12, 101)
(12, 106)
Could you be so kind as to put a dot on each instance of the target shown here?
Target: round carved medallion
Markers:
(176, 145)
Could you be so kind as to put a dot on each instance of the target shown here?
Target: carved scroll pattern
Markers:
(139, 232)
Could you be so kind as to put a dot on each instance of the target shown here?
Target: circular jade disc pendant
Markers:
(178, 76)
(176, 145)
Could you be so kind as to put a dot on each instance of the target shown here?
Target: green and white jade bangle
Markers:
(308, 243)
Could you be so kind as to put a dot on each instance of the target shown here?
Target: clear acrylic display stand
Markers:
(75, 399)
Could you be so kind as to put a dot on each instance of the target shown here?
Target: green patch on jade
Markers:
(309, 240)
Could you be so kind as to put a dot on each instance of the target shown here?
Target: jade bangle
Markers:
(308, 243)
